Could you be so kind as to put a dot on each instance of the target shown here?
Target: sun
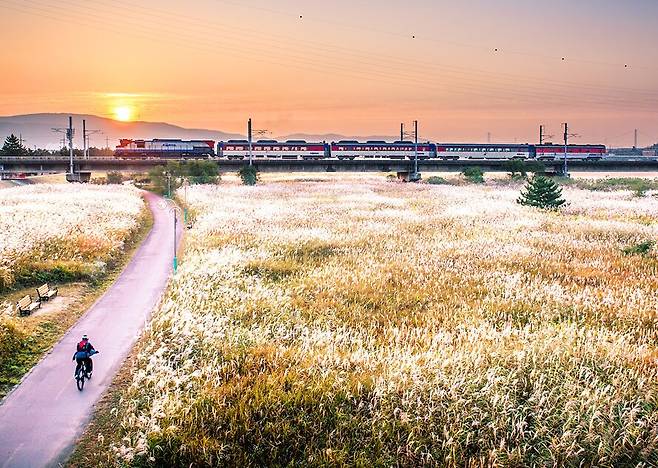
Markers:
(123, 113)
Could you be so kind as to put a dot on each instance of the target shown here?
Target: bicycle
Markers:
(84, 373)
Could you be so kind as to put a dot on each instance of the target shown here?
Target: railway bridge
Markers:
(13, 167)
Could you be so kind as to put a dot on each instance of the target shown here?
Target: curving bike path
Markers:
(42, 418)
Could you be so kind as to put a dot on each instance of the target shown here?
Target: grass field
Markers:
(75, 237)
(63, 232)
(379, 323)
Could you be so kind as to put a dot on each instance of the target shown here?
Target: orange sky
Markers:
(350, 67)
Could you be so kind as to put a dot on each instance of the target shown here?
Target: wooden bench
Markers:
(26, 306)
(45, 292)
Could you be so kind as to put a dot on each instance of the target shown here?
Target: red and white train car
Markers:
(271, 149)
(351, 149)
(550, 152)
(456, 151)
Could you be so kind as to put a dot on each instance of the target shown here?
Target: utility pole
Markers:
(566, 144)
(416, 177)
(635, 140)
(542, 135)
(402, 131)
(107, 142)
(84, 139)
(249, 138)
(69, 133)
(488, 137)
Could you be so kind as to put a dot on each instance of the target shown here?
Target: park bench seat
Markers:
(27, 306)
(45, 292)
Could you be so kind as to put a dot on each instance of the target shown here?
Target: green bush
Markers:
(641, 248)
(11, 341)
(519, 168)
(202, 172)
(166, 178)
(542, 193)
(61, 271)
(474, 174)
(249, 175)
(436, 180)
(114, 177)
(637, 185)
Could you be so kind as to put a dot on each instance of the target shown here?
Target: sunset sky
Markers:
(345, 66)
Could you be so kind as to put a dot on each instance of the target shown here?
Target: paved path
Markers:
(41, 419)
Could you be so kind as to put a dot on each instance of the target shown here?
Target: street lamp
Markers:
(170, 205)
(168, 184)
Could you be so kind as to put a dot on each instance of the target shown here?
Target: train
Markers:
(349, 150)
(164, 148)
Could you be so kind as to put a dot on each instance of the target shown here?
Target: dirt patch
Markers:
(65, 298)
(67, 295)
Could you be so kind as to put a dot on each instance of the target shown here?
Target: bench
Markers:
(45, 292)
(26, 306)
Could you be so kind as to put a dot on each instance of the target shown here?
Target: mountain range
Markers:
(36, 130)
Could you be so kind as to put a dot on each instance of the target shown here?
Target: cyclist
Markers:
(82, 355)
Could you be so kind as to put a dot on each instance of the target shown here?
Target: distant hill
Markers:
(35, 129)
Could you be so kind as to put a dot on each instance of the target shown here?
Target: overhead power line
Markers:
(478, 87)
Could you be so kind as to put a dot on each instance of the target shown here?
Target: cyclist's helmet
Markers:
(84, 337)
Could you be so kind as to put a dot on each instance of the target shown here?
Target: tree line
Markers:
(13, 146)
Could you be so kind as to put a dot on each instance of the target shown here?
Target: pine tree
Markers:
(13, 146)
(542, 193)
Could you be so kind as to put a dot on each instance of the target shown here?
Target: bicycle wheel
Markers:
(80, 381)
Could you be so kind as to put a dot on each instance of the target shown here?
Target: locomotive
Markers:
(164, 148)
(350, 150)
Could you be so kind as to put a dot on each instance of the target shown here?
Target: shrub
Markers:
(473, 174)
(249, 175)
(11, 339)
(636, 184)
(114, 177)
(542, 193)
(436, 180)
(519, 168)
(641, 248)
(202, 172)
(641, 188)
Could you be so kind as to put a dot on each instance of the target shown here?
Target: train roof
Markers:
(558, 145)
(489, 145)
(274, 142)
(378, 142)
